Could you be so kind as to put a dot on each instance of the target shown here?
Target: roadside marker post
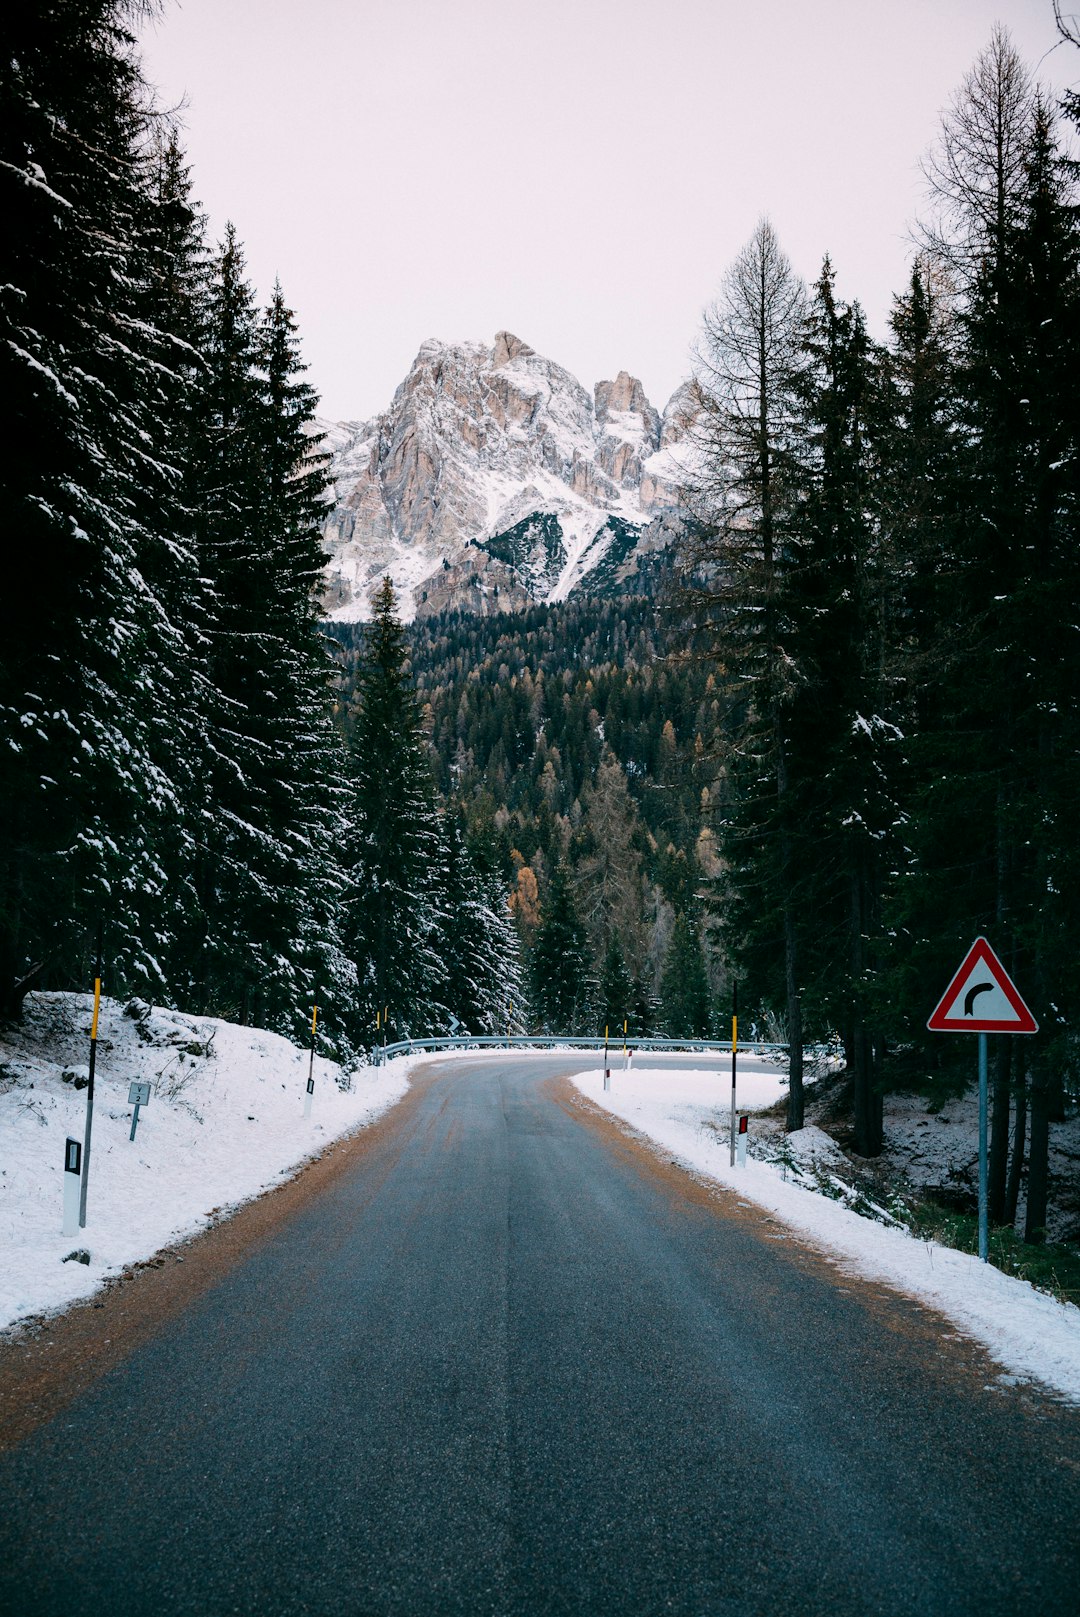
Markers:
(743, 1132)
(982, 999)
(72, 1170)
(138, 1095)
(734, 1057)
(607, 1069)
(310, 1087)
(85, 1179)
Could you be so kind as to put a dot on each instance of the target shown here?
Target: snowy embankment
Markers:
(687, 1113)
(224, 1123)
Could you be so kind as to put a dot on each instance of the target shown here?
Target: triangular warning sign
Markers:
(982, 998)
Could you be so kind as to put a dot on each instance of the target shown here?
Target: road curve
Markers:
(513, 1363)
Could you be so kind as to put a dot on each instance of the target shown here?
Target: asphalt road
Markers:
(511, 1363)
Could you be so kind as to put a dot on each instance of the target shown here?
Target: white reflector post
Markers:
(72, 1177)
(743, 1130)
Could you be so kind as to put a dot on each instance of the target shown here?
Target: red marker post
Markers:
(982, 998)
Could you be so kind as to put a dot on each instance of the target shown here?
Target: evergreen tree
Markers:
(842, 733)
(685, 1000)
(273, 793)
(477, 943)
(733, 559)
(559, 965)
(394, 919)
(617, 1003)
(91, 803)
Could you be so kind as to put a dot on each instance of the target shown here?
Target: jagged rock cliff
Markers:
(495, 479)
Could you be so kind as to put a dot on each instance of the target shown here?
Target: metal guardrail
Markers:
(486, 1042)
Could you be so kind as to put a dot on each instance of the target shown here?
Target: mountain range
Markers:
(495, 479)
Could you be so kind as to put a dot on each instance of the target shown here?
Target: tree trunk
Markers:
(1043, 1105)
(1016, 1166)
(11, 1005)
(869, 1134)
(999, 1132)
(795, 1105)
(794, 1021)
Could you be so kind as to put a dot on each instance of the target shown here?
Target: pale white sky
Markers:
(576, 171)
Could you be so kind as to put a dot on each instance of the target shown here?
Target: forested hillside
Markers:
(572, 735)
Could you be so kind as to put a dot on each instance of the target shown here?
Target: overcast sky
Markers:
(578, 172)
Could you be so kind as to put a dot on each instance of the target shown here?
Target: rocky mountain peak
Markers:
(493, 479)
(625, 394)
(508, 347)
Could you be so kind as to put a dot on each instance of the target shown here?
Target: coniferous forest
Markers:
(840, 743)
(175, 784)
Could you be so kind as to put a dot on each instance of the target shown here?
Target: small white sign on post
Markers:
(138, 1095)
(72, 1182)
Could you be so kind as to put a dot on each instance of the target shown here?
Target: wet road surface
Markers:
(511, 1362)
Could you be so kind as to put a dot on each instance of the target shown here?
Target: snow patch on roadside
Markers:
(225, 1122)
(1032, 1335)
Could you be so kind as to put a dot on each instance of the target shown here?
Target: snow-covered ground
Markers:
(225, 1122)
(1033, 1336)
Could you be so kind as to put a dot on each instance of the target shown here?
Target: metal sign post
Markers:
(982, 999)
(90, 1092)
(72, 1167)
(310, 1090)
(138, 1095)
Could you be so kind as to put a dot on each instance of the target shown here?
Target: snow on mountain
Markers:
(495, 479)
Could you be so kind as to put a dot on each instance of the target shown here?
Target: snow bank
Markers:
(1031, 1334)
(225, 1122)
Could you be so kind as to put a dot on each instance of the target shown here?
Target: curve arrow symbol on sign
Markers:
(972, 994)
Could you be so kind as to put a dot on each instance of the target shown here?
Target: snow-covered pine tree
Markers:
(393, 918)
(171, 274)
(477, 942)
(89, 808)
(617, 999)
(309, 794)
(685, 1001)
(241, 867)
(268, 883)
(559, 964)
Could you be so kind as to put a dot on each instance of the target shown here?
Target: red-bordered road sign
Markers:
(982, 998)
